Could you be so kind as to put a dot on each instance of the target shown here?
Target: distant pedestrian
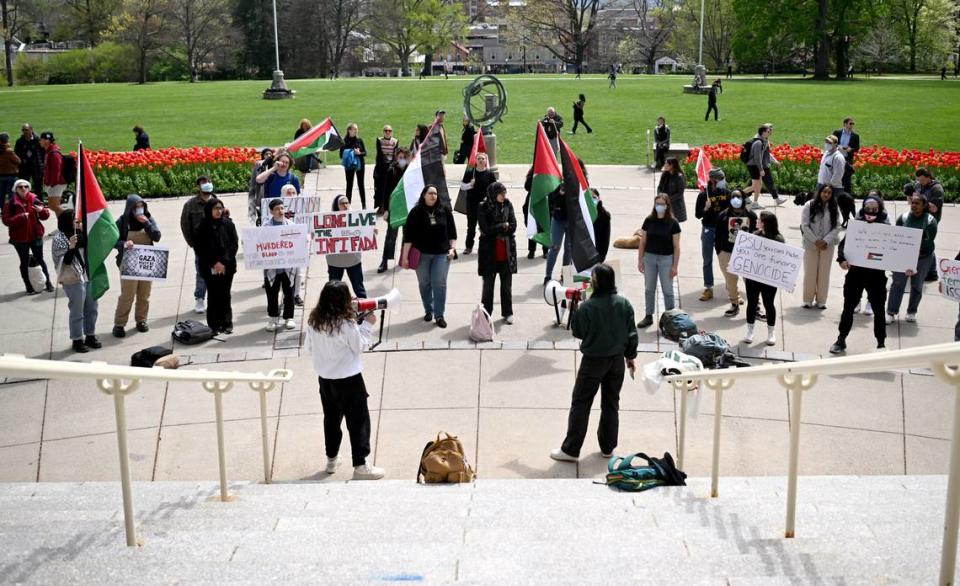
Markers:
(832, 168)
(430, 229)
(23, 214)
(69, 261)
(758, 165)
(346, 262)
(729, 71)
(9, 167)
(497, 253)
(613, 80)
(849, 142)
(386, 147)
(279, 279)
(136, 227)
(578, 115)
(191, 219)
(715, 88)
(943, 73)
(439, 118)
(142, 139)
(30, 152)
(659, 256)
(711, 202)
(918, 217)
(392, 177)
(608, 343)
(661, 142)
(673, 183)
(820, 227)
(768, 227)
(54, 184)
(353, 142)
(217, 244)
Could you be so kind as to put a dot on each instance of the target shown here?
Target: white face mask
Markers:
(722, 184)
(660, 208)
(828, 146)
(736, 202)
(137, 211)
(206, 187)
(401, 163)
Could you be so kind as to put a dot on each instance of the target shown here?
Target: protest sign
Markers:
(296, 208)
(949, 272)
(145, 263)
(766, 261)
(276, 247)
(344, 232)
(882, 246)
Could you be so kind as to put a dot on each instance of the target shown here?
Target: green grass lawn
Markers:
(900, 113)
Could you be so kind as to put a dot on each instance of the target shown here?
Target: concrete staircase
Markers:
(850, 530)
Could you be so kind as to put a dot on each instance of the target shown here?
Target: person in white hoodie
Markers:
(832, 166)
(820, 227)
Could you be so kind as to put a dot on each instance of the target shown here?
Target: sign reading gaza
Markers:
(145, 263)
(766, 261)
(344, 232)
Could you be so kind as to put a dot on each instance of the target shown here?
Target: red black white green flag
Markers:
(322, 137)
(581, 212)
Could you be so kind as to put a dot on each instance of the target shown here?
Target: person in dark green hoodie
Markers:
(604, 324)
(918, 217)
(136, 227)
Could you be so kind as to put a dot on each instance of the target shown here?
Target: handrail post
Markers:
(218, 388)
(684, 387)
(262, 389)
(948, 556)
(718, 387)
(796, 384)
(120, 390)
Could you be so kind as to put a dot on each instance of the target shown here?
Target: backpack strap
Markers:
(426, 450)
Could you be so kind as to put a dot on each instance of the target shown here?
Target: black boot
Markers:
(79, 347)
(92, 342)
(49, 287)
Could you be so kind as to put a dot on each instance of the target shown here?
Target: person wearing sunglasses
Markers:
(386, 147)
(23, 215)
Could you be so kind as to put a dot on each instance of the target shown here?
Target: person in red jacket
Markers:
(23, 215)
(53, 182)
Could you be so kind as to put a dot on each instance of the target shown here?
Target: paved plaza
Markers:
(507, 400)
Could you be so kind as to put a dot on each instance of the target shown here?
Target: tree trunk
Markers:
(143, 65)
(428, 64)
(7, 57)
(821, 69)
(841, 57)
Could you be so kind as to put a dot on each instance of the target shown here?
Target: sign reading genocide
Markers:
(881, 246)
(766, 261)
(949, 271)
(296, 208)
(145, 263)
(276, 247)
(344, 232)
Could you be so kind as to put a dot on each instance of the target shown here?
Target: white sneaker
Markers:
(858, 307)
(200, 306)
(749, 337)
(912, 318)
(332, 465)
(868, 310)
(561, 456)
(290, 324)
(780, 201)
(367, 472)
(756, 206)
(607, 455)
(271, 325)
(508, 320)
(891, 318)
(771, 335)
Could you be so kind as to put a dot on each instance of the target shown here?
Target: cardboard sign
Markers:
(766, 261)
(881, 246)
(145, 263)
(949, 272)
(344, 232)
(297, 208)
(276, 247)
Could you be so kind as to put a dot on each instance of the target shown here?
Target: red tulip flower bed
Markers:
(172, 171)
(876, 167)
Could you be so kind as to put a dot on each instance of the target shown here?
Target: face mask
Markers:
(137, 211)
(206, 187)
(827, 146)
(596, 200)
(736, 203)
(401, 163)
(722, 184)
(660, 208)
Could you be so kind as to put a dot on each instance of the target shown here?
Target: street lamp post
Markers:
(278, 90)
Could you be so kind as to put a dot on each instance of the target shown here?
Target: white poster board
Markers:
(276, 247)
(881, 246)
(766, 261)
(145, 263)
(294, 208)
(343, 232)
(949, 272)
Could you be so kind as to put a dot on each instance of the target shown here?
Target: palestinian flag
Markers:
(581, 212)
(546, 178)
(703, 169)
(426, 168)
(98, 225)
(323, 137)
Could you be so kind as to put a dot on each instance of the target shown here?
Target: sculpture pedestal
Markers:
(278, 90)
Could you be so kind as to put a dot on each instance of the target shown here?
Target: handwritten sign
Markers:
(766, 261)
(276, 247)
(344, 232)
(297, 208)
(881, 246)
(145, 263)
(949, 271)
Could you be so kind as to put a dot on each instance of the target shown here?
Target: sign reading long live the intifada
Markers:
(276, 247)
(882, 246)
(766, 261)
(344, 232)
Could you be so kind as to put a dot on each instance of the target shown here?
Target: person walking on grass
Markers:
(820, 228)
(478, 180)
(715, 88)
(497, 254)
(860, 279)
(430, 230)
(54, 183)
(68, 259)
(673, 183)
(658, 257)
(23, 215)
(768, 227)
(608, 342)
(336, 339)
(136, 227)
(578, 115)
(661, 142)
(217, 244)
(346, 262)
(730, 221)
(713, 200)
(918, 217)
(277, 280)
(612, 76)
(190, 220)
(758, 165)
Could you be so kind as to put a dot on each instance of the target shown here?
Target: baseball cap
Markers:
(47, 135)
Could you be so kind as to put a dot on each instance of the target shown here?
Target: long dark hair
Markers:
(606, 281)
(668, 215)
(333, 308)
(423, 194)
(771, 225)
(816, 206)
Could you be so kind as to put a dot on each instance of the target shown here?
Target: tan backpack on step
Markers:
(444, 460)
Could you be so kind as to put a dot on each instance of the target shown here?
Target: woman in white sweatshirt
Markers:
(820, 227)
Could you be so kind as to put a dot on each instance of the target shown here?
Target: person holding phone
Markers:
(23, 214)
(68, 258)
(136, 227)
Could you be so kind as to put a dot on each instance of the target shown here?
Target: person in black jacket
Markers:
(850, 146)
(716, 88)
(858, 279)
(672, 183)
(353, 141)
(136, 226)
(31, 156)
(142, 139)
(497, 253)
(479, 180)
(386, 150)
(578, 115)
(710, 203)
(466, 142)
(391, 177)
(730, 221)
(552, 123)
(531, 244)
(601, 226)
(661, 142)
(217, 244)
(431, 230)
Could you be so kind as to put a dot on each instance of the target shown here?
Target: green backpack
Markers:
(623, 475)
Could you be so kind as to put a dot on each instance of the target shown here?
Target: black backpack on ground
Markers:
(191, 332)
(745, 150)
(708, 348)
(676, 325)
(148, 356)
(69, 168)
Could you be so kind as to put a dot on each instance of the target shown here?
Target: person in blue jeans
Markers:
(710, 202)
(431, 230)
(68, 259)
(918, 217)
(348, 262)
(558, 231)
(659, 256)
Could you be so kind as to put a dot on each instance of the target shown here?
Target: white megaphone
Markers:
(389, 301)
(557, 295)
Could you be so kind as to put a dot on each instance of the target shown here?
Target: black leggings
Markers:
(755, 291)
(577, 121)
(359, 173)
(875, 283)
(716, 113)
(23, 251)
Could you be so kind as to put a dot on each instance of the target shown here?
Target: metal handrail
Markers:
(796, 377)
(120, 381)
